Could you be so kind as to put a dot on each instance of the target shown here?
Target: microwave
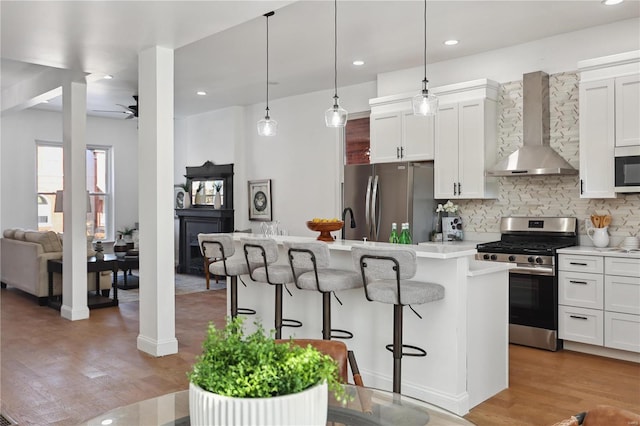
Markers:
(627, 169)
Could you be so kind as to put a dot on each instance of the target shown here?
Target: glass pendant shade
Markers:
(267, 126)
(336, 116)
(425, 104)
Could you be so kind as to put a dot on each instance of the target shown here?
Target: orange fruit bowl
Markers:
(325, 228)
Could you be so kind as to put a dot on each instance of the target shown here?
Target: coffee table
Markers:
(126, 264)
(369, 407)
(94, 300)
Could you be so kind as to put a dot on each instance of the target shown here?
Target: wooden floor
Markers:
(56, 371)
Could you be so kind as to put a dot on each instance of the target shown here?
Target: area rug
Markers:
(185, 284)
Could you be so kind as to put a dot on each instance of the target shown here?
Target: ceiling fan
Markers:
(131, 110)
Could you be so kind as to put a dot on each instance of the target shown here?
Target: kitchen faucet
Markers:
(344, 215)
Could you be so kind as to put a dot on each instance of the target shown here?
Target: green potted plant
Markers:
(252, 380)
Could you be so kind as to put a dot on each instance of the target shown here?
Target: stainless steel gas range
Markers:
(531, 243)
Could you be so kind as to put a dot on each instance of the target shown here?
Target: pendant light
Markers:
(267, 126)
(335, 116)
(423, 102)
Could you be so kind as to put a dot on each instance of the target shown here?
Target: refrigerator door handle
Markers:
(367, 207)
(374, 214)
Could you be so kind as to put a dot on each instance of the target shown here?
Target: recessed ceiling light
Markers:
(358, 62)
(201, 93)
(108, 77)
(451, 42)
(44, 102)
(611, 2)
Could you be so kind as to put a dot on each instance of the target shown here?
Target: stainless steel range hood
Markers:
(535, 157)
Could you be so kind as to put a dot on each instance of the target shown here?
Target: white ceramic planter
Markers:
(308, 407)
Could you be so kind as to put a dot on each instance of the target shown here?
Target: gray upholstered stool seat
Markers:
(310, 268)
(217, 250)
(260, 256)
(385, 273)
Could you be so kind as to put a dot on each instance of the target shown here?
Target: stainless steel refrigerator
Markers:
(380, 194)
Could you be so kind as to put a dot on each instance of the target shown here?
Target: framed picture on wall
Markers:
(260, 199)
(179, 197)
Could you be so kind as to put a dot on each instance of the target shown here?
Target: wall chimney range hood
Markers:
(535, 157)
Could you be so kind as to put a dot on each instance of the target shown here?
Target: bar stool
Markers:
(385, 275)
(260, 255)
(310, 268)
(217, 250)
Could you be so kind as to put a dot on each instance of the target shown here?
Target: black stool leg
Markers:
(234, 296)
(397, 347)
(326, 316)
(278, 315)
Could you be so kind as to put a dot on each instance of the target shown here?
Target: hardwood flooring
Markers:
(55, 371)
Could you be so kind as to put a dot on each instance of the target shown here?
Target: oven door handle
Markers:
(532, 271)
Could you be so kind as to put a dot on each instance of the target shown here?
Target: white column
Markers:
(155, 202)
(74, 254)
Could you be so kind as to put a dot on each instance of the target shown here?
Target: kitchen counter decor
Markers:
(325, 227)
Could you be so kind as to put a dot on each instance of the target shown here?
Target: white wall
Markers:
(302, 160)
(551, 55)
(20, 130)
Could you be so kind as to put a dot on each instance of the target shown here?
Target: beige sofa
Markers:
(24, 256)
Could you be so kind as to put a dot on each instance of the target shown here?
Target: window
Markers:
(50, 179)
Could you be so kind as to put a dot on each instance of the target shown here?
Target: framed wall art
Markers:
(260, 199)
(179, 197)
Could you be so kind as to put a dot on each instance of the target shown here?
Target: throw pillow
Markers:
(48, 240)
(9, 233)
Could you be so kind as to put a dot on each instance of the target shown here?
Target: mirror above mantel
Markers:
(207, 180)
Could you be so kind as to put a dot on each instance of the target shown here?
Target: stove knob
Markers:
(538, 260)
(494, 257)
(512, 258)
(530, 259)
(485, 257)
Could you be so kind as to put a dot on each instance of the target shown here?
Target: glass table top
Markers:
(369, 407)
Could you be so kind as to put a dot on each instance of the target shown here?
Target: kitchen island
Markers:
(465, 334)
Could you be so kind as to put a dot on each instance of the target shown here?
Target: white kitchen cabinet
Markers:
(622, 331)
(396, 133)
(465, 140)
(599, 300)
(581, 325)
(628, 110)
(597, 138)
(609, 105)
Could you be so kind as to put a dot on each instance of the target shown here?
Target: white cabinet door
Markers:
(622, 331)
(622, 294)
(581, 263)
(471, 164)
(417, 137)
(580, 289)
(597, 136)
(446, 152)
(581, 325)
(628, 110)
(386, 136)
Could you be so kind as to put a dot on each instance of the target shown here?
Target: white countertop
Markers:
(605, 251)
(450, 250)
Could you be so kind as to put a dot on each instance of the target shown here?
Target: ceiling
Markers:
(220, 45)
